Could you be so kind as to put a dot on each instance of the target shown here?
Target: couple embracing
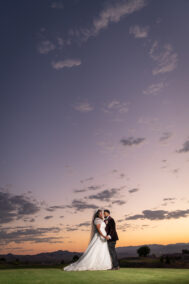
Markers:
(100, 253)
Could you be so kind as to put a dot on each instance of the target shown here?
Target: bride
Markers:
(96, 256)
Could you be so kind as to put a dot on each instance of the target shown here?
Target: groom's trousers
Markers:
(111, 246)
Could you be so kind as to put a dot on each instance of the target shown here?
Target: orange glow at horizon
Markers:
(78, 241)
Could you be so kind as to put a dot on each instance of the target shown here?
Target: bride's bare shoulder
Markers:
(97, 221)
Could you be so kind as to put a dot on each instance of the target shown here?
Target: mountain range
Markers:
(63, 255)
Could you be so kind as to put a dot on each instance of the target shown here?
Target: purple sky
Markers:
(94, 114)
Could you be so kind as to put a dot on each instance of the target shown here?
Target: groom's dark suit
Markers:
(111, 231)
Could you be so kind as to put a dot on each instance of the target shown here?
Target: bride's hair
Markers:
(95, 215)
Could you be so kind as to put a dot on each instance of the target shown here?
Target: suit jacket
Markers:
(111, 229)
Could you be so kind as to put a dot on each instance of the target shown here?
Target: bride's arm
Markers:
(98, 229)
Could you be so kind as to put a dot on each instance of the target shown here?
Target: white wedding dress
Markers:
(96, 256)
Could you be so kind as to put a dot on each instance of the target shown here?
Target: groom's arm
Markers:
(107, 229)
(111, 227)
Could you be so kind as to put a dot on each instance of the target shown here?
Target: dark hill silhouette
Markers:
(57, 257)
(154, 249)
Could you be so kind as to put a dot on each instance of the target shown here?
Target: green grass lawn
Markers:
(124, 275)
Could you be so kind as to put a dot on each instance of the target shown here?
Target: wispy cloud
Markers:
(119, 202)
(159, 215)
(55, 207)
(169, 198)
(48, 217)
(122, 175)
(61, 42)
(34, 235)
(65, 63)
(78, 226)
(165, 58)
(116, 106)
(84, 224)
(105, 195)
(111, 13)
(130, 141)
(139, 32)
(70, 229)
(154, 89)
(83, 107)
(133, 190)
(185, 147)
(168, 201)
(92, 187)
(45, 46)
(78, 205)
(81, 205)
(14, 207)
(86, 179)
(114, 13)
(165, 136)
(80, 190)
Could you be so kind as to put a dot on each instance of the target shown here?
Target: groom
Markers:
(113, 237)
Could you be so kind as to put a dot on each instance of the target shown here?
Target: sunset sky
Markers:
(94, 114)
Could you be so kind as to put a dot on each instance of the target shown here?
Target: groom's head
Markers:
(106, 212)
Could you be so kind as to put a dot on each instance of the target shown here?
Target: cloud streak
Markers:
(111, 13)
(139, 32)
(105, 195)
(60, 64)
(34, 235)
(130, 141)
(185, 148)
(46, 46)
(133, 190)
(154, 89)
(165, 136)
(119, 202)
(165, 58)
(83, 107)
(92, 187)
(116, 106)
(14, 207)
(159, 215)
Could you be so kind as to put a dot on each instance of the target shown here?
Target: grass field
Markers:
(124, 275)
